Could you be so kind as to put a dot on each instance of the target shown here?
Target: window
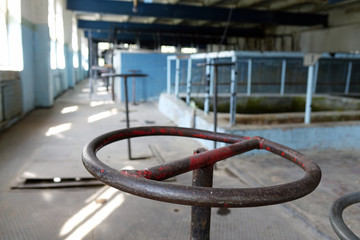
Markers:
(103, 57)
(188, 50)
(11, 54)
(56, 32)
(75, 43)
(84, 54)
(168, 49)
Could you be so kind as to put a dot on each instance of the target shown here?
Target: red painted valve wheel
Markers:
(147, 183)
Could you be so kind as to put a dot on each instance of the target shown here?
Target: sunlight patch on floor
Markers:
(102, 115)
(70, 109)
(93, 214)
(99, 103)
(58, 129)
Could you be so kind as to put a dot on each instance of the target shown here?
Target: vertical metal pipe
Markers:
(233, 91)
(168, 75)
(112, 85)
(242, 72)
(133, 91)
(309, 94)
(283, 73)
(316, 71)
(348, 77)
(201, 216)
(212, 62)
(188, 82)
(215, 100)
(177, 77)
(90, 42)
(249, 77)
(207, 94)
(127, 114)
(112, 70)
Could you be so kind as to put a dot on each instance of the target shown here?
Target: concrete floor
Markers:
(47, 144)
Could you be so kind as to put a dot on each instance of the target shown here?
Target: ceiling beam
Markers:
(292, 4)
(168, 29)
(211, 2)
(151, 39)
(248, 3)
(196, 13)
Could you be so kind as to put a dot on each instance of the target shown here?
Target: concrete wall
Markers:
(35, 54)
(28, 73)
(337, 39)
(340, 35)
(44, 95)
(337, 135)
(42, 84)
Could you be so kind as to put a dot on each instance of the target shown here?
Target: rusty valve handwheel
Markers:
(141, 182)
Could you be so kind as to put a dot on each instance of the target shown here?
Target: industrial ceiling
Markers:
(197, 23)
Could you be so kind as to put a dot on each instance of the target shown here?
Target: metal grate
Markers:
(11, 99)
(1, 108)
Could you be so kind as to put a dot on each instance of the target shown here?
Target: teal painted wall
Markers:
(28, 74)
(152, 64)
(70, 73)
(41, 84)
(44, 94)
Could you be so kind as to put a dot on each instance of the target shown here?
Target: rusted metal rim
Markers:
(336, 219)
(145, 183)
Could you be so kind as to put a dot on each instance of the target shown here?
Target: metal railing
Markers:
(262, 72)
